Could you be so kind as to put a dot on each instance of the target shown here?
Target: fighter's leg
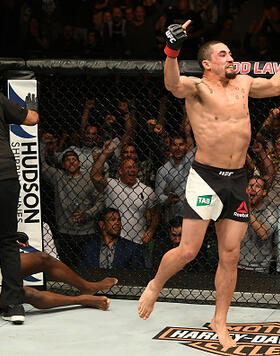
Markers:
(57, 271)
(174, 260)
(230, 234)
(45, 300)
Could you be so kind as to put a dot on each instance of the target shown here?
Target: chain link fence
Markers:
(109, 135)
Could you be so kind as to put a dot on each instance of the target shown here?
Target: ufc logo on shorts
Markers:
(225, 173)
(170, 36)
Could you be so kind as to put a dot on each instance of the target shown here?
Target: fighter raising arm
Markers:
(182, 86)
(179, 85)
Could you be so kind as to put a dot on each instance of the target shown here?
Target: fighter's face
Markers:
(221, 62)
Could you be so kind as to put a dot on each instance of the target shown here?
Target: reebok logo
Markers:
(242, 211)
(242, 208)
(204, 200)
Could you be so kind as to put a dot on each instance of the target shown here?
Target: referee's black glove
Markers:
(31, 102)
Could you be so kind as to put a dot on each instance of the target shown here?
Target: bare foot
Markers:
(94, 287)
(221, 330)
(147, 301)
(92, 301)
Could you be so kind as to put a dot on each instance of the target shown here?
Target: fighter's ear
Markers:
(206, 64)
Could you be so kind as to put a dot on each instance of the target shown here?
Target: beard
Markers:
(231, 75)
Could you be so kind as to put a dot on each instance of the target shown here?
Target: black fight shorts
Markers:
(216, 193)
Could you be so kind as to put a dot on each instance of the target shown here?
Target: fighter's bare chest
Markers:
(231, 93)
(229, 98)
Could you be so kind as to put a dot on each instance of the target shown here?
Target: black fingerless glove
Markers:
(175, 36)
(31, 102)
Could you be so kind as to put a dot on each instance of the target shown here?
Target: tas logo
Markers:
(204, 200)
(251, 338)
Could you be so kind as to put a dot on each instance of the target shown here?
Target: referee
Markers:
(12, 284)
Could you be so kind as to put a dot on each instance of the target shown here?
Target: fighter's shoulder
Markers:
(243, 81)
(191, 84)
(244, 78)
(194, 80)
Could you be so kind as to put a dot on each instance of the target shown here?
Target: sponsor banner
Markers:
(252, 338)
(24, 144)
(258, 68)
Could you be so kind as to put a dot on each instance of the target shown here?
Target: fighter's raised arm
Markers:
(264, 88)
(180, 86)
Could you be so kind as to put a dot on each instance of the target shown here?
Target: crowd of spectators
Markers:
(101, 174)
(134, 29)
(116, 207)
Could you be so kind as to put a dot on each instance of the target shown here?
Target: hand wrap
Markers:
(175, 36)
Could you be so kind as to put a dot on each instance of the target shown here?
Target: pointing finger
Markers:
(186, 24)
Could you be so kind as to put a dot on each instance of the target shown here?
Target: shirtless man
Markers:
(217, 106)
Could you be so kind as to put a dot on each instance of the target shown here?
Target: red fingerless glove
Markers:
(171, 52)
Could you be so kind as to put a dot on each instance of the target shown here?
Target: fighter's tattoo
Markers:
(203, 82)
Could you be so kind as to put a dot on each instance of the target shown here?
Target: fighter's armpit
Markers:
(198, 82)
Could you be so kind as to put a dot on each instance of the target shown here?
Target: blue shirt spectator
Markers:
(108, 249)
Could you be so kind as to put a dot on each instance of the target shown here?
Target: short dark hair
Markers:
(176, 137)
(102, 215)
(90, 125)
(175, 222)
(205, 52)
(128, 145)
